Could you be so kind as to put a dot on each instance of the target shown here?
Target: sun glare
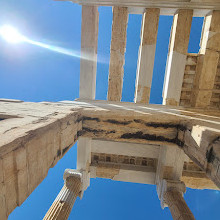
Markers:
(11, 35)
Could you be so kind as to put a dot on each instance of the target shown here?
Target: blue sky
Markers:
(31, 73)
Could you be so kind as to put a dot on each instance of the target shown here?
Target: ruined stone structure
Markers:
(174, 145)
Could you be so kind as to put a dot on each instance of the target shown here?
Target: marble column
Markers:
(117, 53)
(172, 196)
(176, 59)
(63, 204)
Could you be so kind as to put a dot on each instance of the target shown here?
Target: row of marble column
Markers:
(171, 195)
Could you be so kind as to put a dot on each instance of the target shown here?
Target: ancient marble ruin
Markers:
(174, 145)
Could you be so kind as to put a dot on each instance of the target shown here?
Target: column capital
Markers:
(63, 204)
(72, 173)
(82, 175)
(170, 185)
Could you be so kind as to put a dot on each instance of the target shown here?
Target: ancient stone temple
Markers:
(174, 145)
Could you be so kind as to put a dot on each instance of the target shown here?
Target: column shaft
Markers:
(88, 60)
(177, 205)
(117, 53)
(208, 61)
(146, 55)
(176, 59)
(63, 204)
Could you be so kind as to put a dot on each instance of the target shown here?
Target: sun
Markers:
(11, 35)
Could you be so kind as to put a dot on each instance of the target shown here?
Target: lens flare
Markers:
(56, 48)
(11, 35)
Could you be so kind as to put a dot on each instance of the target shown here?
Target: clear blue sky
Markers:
(31, 73)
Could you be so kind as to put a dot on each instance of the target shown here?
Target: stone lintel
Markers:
(184, 4)
(56, 126)
(202, 147)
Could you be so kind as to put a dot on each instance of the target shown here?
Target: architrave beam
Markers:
(183, 4)
(202, 147)
(34, 136)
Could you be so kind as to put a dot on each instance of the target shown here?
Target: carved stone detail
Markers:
(171, 195)
(65, 200)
